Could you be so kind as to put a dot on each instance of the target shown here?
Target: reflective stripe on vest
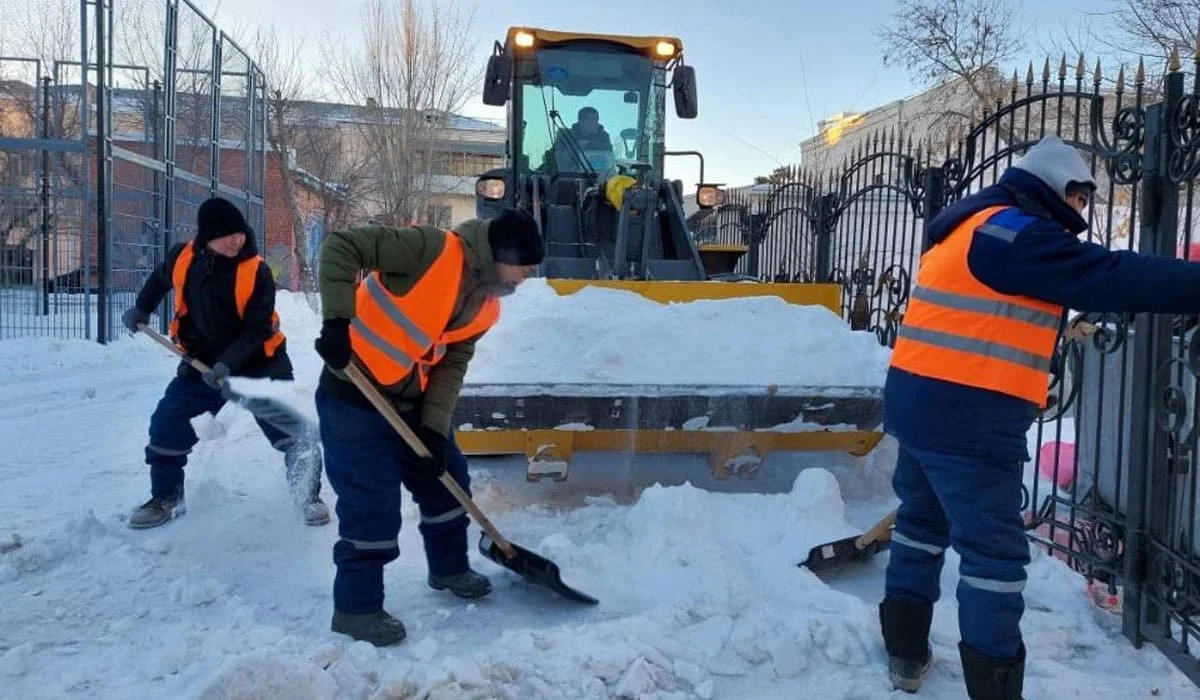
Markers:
(393, 334)
(247, 273)
(959, 330)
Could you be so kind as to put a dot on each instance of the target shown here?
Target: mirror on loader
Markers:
(495, 82)
(683, 83)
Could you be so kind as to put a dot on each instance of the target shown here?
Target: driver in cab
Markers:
(589, 136)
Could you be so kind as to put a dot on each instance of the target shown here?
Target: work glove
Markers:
(216, 376)
(333, 345)
(435, 442)
(132, 317)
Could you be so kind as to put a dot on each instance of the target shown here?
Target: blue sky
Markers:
(767, 70)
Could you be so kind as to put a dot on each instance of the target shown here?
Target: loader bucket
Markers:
(734, 429)
(663, 291)
(632, 436)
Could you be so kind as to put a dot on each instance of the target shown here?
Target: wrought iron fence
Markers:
(120, 117)
(1112, 486)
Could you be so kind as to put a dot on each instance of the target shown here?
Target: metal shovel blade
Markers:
(844, 551)
(533, 568)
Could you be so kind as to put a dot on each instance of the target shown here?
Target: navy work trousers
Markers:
(367, 461)
(973, 504)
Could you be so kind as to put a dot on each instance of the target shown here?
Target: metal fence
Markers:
(1112, 488)
(117, 118)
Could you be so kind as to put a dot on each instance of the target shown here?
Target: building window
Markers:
(438, 215)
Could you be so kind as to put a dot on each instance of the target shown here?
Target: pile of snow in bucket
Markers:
(599, 336)
(610, 336)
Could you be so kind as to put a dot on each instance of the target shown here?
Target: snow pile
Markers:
(610, 336)
(601, 336)
(700, 593)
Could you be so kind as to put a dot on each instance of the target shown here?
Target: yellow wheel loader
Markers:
(610, 218)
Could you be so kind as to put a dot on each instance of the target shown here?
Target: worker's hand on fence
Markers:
(435, 442)
(333, 345)
(132, 317)
(216, 376)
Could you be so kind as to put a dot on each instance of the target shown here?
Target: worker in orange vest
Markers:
(224, 316)
(425, 297)
(969, 373)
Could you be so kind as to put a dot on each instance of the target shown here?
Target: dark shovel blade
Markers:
(833, 554)
(533, 568)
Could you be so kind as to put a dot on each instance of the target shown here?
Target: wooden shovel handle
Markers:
(386, 408)
(156, 337)
(878, 530)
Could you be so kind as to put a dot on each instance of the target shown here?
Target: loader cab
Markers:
(586, 132)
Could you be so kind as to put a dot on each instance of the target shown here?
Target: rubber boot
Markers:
(906, 636)
(159, 510)
(468, 584)
(378, 628)
(990, 678)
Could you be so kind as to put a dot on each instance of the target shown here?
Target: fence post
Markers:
(826, 224)
(168, 113)
(757, 234)
(45, 198)
(1152, 341)
(103, 172)
(934, 198)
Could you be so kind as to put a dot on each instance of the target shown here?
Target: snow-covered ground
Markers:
(700, 593)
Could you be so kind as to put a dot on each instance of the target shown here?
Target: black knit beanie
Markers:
(514, 238)
(218, 217)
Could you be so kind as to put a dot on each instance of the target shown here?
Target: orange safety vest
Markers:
(959, 330)
(247, 272)
(393, 334)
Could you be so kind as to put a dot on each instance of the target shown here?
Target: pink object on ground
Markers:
(1065, 462)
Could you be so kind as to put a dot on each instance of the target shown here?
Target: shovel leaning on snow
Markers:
(273, 412)
(848, 549)
(532, 567)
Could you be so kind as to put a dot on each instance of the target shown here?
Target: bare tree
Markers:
(1152, 28)
(45, 32)
(415, 68)
(326, 151)
(957, 44)
(1132, 32)
(281, 68)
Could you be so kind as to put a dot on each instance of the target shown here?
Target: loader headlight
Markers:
(524, 39)
(490, 188)
(709, 196)
(664, 49)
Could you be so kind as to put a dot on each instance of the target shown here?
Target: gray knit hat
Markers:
(1056, 164)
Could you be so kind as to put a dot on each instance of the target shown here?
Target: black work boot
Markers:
(468, 584)
(159, 510)
(906, 637)
(990, 678)
(378, 628)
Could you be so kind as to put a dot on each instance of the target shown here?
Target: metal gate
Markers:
(1124, 389)
(117, 118)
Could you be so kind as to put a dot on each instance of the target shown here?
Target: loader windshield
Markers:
(591, 111)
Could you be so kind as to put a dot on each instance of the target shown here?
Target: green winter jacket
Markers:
(402, 256)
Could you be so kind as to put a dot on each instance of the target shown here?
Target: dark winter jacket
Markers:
(211, 329)
(1045, 261)
(403, 255)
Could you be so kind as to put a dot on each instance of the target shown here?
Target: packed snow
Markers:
(700, 593)
(612, 336)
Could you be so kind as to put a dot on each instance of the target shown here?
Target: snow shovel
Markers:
(277, 414)
(848, 549)
(532, 567)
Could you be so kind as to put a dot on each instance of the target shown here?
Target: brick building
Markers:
(40, 243)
